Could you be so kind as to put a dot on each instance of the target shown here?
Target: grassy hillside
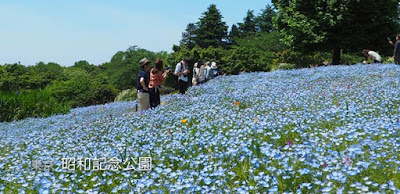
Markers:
(327, 129)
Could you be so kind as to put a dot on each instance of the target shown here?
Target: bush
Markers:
(300, 59)
(387, 60)
(126, 95)
(351, 59)
(168, 90)
(24, 104)
(283, 66)
(83, 90)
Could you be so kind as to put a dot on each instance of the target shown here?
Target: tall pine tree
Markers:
(248, 27)
(264, 22)
(189, 36)
(234, 34)
(212, 31)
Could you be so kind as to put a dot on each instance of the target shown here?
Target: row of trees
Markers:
(46, 89)
(210, 30)
(291, 34)
(343, 26)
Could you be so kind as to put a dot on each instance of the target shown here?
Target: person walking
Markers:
(157, 77)
(182, 71)
(142, 83)
(396, 52)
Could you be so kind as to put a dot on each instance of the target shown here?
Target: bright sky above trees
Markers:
(69, 31)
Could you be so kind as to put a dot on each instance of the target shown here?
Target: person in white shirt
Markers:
(209, 73)
(196, 71)
(375, 57)
(182, 71)
(202, 73)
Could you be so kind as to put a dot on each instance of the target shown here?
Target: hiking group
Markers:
(149, 85)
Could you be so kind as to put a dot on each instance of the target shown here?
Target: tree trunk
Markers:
(336, 56)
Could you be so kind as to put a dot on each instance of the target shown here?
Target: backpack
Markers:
(181, 70)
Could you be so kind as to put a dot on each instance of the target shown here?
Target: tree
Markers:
(47, 73)
(336, 25)
(189, 36)
(248, 27)
(123, 68)
(17, 77)
(211, 31)
(398, 13)
(264, 22)
(234, 34)
(3, 76)
(90, 68)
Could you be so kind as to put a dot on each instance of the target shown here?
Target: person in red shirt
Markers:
(157, 77)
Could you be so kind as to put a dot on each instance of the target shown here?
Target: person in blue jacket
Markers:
(396, 52)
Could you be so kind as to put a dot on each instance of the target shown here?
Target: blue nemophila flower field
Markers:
(327, 129)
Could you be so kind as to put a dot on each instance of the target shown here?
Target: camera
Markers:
(388, 38)
(167, 68)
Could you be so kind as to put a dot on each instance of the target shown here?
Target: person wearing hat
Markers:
(214, 69)
(142, 83)
(182, 71)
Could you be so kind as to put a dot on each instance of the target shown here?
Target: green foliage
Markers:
(264, 22)
(46, 73)
(283, 66)
(351, 59)
(248, 27)
(387, 60)
(16, 77)
(233, 61)
(211, 31)
(246, 59)
(189, 36)
(168, 90)
(26, 103)
(89, 68)
(82, 89)
(234, 34)
(126, 95)
(319, 25)
(299, 59)
(263, 42)
(124, 67)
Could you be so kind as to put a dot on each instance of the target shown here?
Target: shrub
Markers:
(83, 90)
(127, 95)
(168, 90)
(387, 60)
(283, 66)
(351, 58)
(24, 104)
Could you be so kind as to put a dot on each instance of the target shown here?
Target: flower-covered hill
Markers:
(328, 129)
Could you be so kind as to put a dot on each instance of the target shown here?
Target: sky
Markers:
(94, 30)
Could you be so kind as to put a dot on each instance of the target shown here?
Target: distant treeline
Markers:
(269, 41)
